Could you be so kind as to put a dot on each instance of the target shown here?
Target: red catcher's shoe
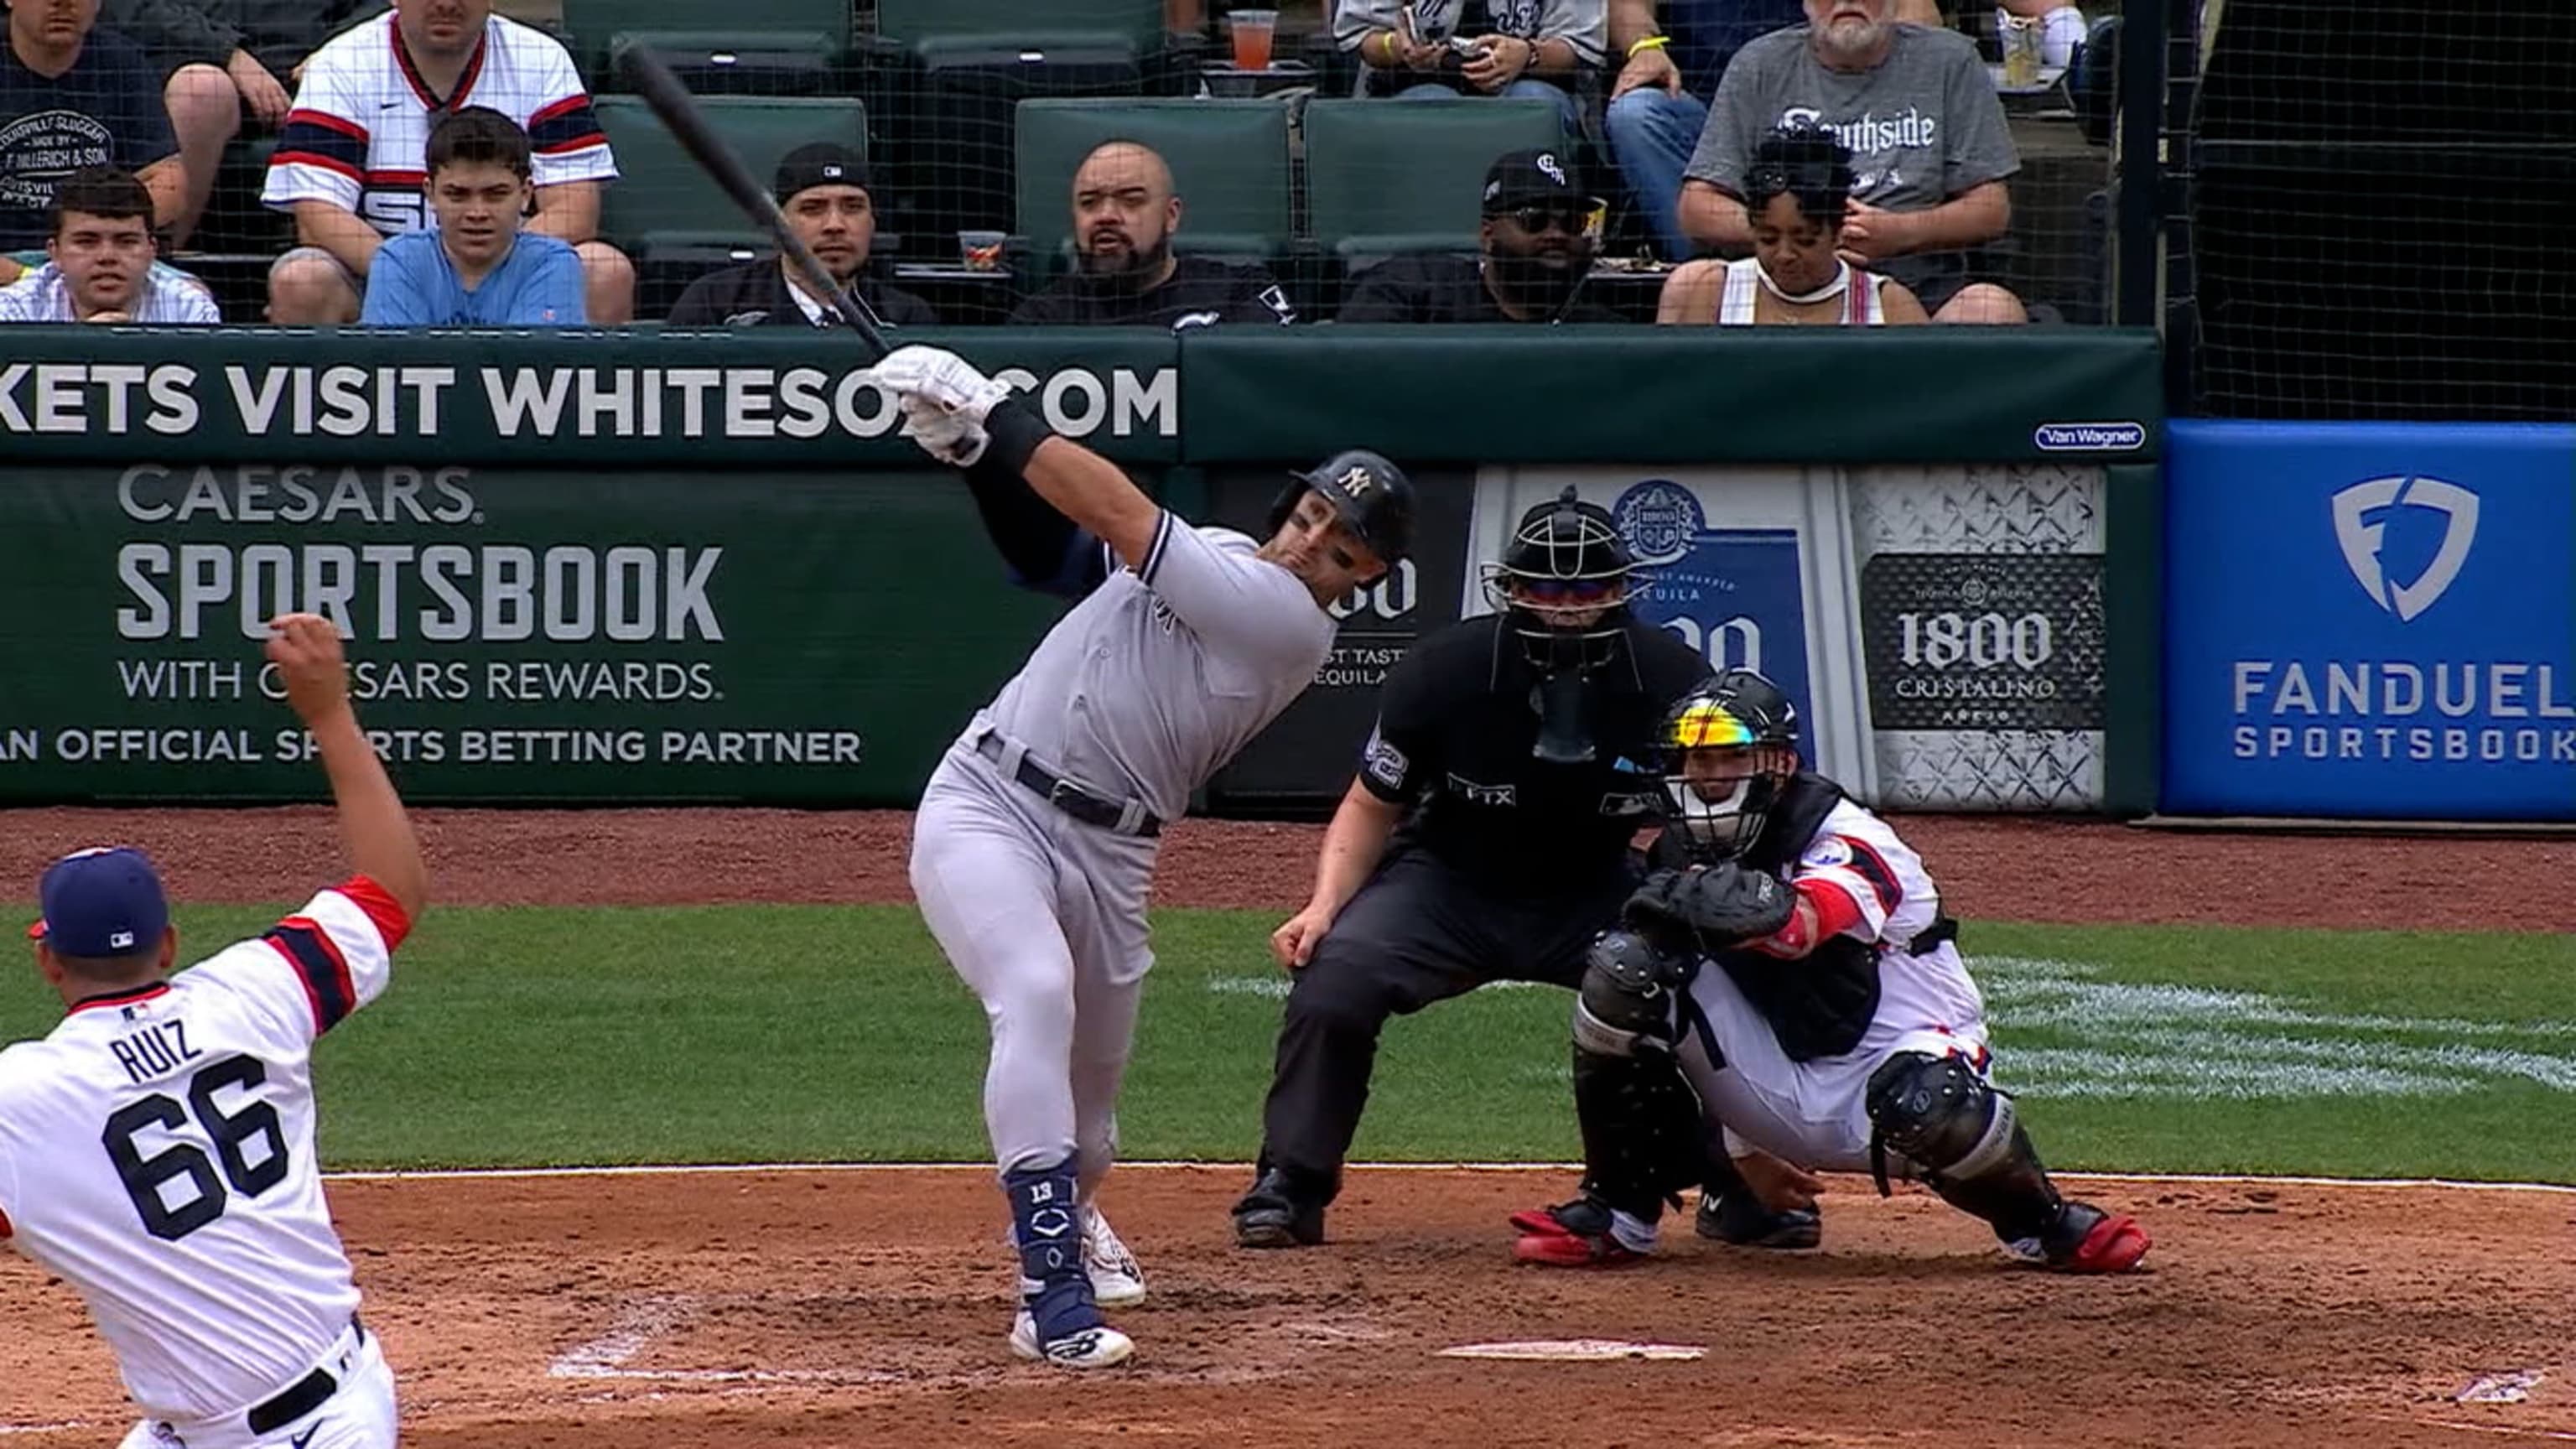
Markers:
(2113, 1246)
(1573, 1235)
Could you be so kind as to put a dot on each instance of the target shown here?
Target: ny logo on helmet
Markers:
(1357, 481)
(2361, 514)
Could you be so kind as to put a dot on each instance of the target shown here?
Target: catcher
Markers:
(1789, 955)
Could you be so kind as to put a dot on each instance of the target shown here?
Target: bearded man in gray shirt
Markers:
(1927, 136)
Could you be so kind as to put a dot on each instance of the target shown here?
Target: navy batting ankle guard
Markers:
(1046, 1224)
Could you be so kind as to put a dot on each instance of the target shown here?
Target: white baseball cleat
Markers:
(1087, 1348)
(1116, 1281)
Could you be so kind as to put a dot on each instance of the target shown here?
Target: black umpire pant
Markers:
(1419, 931)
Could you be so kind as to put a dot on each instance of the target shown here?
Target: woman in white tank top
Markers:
(1796, 195)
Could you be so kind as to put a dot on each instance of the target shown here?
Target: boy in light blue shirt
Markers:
(474, 267)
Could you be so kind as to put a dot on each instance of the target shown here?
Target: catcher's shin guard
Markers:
(1964, 1140)
(1641, 1124)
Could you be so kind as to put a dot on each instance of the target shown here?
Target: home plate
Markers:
(1569, 1349)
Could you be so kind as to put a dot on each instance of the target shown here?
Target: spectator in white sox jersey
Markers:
(351, 161)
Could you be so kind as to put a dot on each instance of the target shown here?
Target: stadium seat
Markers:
(1229, 162)
(755, 47)
(1386, 176)
(949, 76)
(918, 22)
(667, 215)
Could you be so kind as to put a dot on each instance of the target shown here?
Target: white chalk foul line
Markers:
(64, 1427)
(642, 1321)
(446, 1174)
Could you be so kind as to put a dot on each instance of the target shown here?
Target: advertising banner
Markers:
(1749, 566)
(743, 399)
(531, 636)
(2371, 621)
(1306, 756)
(1981, 615)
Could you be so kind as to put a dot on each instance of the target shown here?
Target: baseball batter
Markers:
(156, 1150)
(1790, 953)
(1034, 846)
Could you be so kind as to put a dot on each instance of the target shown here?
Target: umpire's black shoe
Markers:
(1275, 1214)
(1740, 1218)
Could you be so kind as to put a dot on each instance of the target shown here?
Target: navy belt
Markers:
(307, 1394)
(1071, 798)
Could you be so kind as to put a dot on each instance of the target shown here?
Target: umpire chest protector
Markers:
(1457, 731)
(1821, 1004)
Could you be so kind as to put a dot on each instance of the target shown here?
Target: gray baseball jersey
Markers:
(1168, 670)
(1923, 126)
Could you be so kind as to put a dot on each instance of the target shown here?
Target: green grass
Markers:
(584, 1036)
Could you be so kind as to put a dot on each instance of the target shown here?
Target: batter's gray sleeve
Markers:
(1227, 596)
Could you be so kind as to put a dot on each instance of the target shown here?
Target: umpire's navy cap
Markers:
(103, 901)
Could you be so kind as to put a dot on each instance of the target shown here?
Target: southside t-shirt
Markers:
(1923, 125)
(104, 111)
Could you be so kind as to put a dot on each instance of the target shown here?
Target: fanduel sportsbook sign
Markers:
(2371, 621)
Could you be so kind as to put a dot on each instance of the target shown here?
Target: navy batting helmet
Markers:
(1372, 495)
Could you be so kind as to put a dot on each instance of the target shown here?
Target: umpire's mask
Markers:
(1563, 584)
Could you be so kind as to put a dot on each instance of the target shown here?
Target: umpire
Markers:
(1485, 837)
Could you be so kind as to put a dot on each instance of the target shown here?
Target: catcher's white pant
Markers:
(360, 1415)
(1816, 1113)
(1044, 917)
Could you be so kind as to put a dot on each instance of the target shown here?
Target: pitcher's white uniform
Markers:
(156, 1152)
(1813, 1112)
(1155, 680)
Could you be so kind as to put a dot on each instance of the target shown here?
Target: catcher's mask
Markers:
(1729, 748)
(1564, 581)
(1372, 495)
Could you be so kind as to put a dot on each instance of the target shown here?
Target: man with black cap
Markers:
(156, 1147)
(1126, 210)
(824, 190)
(1535, 249)
(1485, 837)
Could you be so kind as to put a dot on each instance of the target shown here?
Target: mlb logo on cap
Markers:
(103, 901)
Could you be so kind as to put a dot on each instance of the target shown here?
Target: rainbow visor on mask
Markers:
(1709, 726)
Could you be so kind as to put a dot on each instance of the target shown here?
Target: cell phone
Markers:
(1405, 27)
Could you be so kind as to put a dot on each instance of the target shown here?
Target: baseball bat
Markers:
(671, 101)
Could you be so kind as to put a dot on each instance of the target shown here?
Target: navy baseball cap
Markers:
(103, 901)
(819, 163)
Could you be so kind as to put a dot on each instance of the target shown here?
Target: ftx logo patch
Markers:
(2362, 514)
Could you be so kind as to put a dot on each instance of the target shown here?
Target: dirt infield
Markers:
(862, 1308)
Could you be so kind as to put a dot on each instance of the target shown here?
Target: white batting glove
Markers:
(953, 438)
(940, 378)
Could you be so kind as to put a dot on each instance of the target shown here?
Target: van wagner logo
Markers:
(2361, 515)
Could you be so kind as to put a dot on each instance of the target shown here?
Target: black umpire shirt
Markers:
(755, 295)
(1201, 291)
(1440, 289)
(1455, 727)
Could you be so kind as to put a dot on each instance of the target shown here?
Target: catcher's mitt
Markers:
(1725, 904)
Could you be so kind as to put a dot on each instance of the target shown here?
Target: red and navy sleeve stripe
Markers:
(567, 125)
(320, 966)
(1872, 867)
(316, 138)
(5, 1229)
(391, 921)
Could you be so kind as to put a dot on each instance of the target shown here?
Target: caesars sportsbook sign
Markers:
(562, 575)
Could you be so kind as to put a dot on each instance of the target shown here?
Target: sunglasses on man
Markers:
(1537, 219)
